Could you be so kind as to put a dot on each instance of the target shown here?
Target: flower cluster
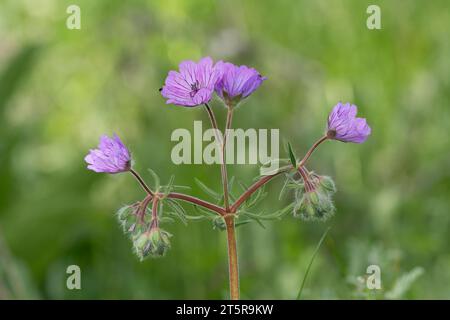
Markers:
(314, 197)
(143, 229)
(195, 83)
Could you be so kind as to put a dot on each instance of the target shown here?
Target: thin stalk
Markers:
(223, 168)
(155, 222)
(233, 268)
(308, 185)
(143, 207)
(224, 164)
(175, 195)
(311, 150)
(180, 196)
(258, 184)
(254, 187)
(141, 182)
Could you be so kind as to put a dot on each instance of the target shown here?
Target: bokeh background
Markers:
(61, 89)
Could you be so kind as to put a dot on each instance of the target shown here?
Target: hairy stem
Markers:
(223, 167)
(233, 267)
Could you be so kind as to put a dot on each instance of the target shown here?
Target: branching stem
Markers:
(227, 212)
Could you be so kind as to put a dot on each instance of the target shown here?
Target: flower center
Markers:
(194, 88)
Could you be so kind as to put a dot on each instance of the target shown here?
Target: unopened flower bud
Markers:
(314, 205)
(154, 242)
(327, 184)
(219, 223)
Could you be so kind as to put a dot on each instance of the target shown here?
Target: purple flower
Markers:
(237, 82)
(110, 157)
(344, 126)
(193, 84)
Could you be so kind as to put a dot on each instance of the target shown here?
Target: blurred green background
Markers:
(61, 89)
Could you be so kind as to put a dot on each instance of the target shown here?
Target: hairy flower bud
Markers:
(154, 242)
(219, 223)
(327, 184)
(314, 205)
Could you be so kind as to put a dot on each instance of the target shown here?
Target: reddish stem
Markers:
(154, 223)
(197, 201)
(233, 269)
(308, 186)
(143, 207)
(311, 150)
(254, 187)
(141, 182)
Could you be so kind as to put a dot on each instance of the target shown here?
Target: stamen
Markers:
(195, 88)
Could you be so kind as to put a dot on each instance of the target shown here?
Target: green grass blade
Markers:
(311, 262)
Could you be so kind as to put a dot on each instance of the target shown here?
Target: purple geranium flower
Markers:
(111, 156)
(193, 84)
(344, 126)
(237, 82)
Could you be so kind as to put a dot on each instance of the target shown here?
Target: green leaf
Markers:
(196, 217)
(211, 214)
(241, 223)
(255, 197)
(156, 180)
(255, 217)
(166, 219)
(291, 155)
(285, 186)
(178, 210)
(180, 187)
(123, 212)
(274, 166)
(277, 215)
(168, 188)
(208, 190)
